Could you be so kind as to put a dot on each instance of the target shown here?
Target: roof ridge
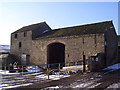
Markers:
(27, 26)
(83, 25)
(94, 28)
(34, 24)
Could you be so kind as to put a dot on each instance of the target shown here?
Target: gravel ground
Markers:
(10, 81)
(103, 79)
(87, 80)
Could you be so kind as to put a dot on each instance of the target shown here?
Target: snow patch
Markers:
(73, 67)
(33, 69)
(113, 67)
(1, 87)
(115, 85)
(93, 86)
(30, 69)
(86, 85)
(52, 77)
(83, 85)
(6, 72)
(54, 88)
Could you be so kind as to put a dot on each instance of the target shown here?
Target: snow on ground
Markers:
(52, 77)
(113, 67)
(92, 83)
(6, 86)
(79, 84)
(6, 72)
(52, 88)
(78, 67)
(75, 67)
(24, 80)
(85, 84)
(33, 69)
(12, 80)
(115, 85)
(30, 69)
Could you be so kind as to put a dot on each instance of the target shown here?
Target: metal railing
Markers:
(14, 75)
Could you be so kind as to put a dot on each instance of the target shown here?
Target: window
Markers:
(16, 35)
(20, 45)
(68, 55)
(25, 34)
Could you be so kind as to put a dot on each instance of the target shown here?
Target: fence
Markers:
(16, 75)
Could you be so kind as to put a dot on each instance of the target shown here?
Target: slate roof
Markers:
(94, 28)
(30, 27)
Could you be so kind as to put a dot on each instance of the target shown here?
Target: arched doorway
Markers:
(56, 53)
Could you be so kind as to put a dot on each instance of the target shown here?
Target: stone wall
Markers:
(26, 43)
(75, 46)
(111, 46)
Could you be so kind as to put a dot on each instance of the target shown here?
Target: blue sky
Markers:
(15, 15)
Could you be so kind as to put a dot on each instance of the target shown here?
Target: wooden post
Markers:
(5, 68)
(59, 70)
(84, 63)
(48, 71)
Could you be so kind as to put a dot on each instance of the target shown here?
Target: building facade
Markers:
(39, 44)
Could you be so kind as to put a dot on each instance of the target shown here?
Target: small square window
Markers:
(16, 35)
(25, 34)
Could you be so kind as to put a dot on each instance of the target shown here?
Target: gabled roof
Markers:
(30, 27)
(94, 28)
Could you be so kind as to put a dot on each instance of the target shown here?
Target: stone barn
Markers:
(39, 44)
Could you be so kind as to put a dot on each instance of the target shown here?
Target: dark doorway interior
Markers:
(56, 53)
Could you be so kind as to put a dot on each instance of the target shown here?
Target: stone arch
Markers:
(55, 53)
